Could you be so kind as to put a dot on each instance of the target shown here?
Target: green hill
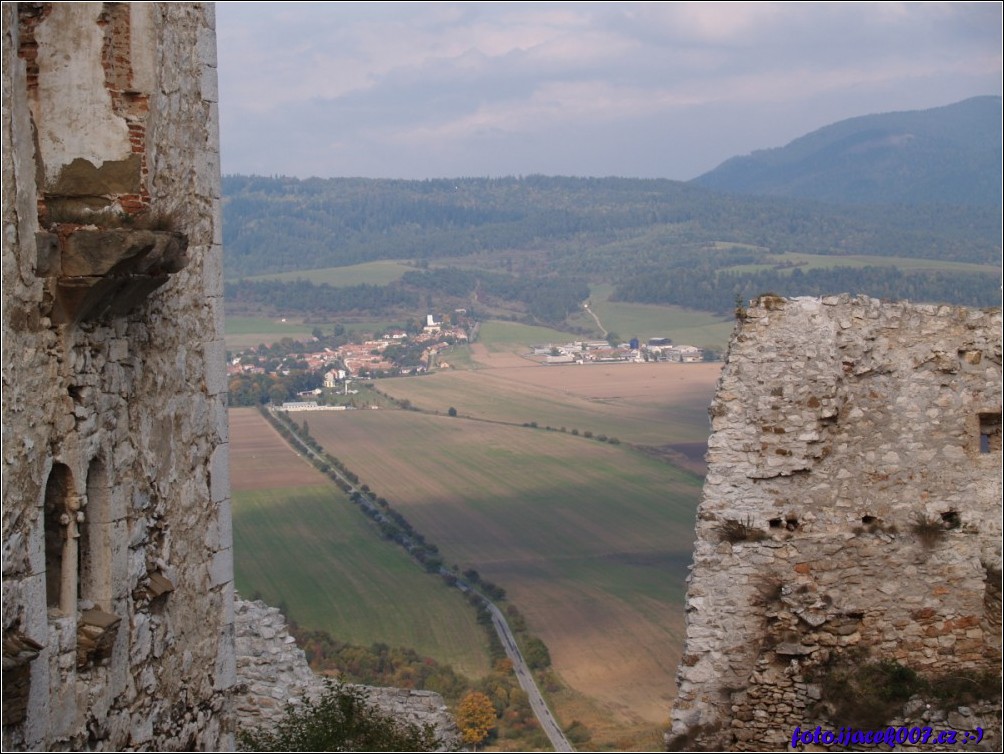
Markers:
(945, 155)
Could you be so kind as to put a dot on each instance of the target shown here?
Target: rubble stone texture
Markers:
(117, 566)
(852, 509)
(272, 672)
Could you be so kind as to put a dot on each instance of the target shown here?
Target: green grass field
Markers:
(644, 321)
(497, 335)
(246, 332)
(826, 261)
(310, 550)
(373, 273)
(304, 545)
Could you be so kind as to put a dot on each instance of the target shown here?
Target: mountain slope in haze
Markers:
(945, 155)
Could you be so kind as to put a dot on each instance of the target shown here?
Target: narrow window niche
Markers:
(57, 518)
(990, 433)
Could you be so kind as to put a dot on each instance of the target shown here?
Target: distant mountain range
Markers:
(945, 155)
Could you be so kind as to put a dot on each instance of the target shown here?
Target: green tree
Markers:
(452, 411)
(341, 720)
(277, 394)
(536, 654)
(475, 717)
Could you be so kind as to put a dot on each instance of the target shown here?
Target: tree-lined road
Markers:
(526, 681)
(522, 670)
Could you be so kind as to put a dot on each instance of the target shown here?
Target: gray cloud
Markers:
(638, 89)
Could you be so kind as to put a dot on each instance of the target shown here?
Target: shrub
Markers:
(867, 695)
(770, 301)
(733, 530)
(965, 687)
(928, 529)
(341, 720)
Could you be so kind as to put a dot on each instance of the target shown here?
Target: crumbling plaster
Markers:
(72, 85)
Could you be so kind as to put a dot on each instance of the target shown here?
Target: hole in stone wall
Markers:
(868, 520)
(952, 519)
(775, 523)
(990, 433)
(56, 517)
(791, 522)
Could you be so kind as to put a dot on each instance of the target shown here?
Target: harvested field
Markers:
(649, 404)
(260, 458)
(591, 541)
(300, 543)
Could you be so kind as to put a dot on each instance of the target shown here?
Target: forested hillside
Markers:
(537, 242)
(945, 155)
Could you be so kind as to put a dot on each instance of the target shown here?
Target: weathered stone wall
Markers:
(272, 672)
(117, 568)
(852, 510)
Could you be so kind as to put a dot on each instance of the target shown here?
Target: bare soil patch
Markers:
(628, 382)
(260, 459)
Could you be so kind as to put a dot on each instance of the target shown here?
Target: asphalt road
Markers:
(526, 681)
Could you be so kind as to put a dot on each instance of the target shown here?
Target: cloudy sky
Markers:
(422, 90)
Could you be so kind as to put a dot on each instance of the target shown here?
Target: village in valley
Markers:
(321, 371)
(604, 352)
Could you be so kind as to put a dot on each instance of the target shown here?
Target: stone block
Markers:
(46, 254)
(221, 568)
(219, 475)
(216, 367)
(90, 253)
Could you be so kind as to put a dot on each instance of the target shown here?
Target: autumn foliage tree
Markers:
(475, 717)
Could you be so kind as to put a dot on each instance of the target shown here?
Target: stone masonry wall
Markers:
(851, 512)
(117, 567)
(273, 672)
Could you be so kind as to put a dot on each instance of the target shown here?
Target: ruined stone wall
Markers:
(117, 568)
(851, 513)
(272, 672)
